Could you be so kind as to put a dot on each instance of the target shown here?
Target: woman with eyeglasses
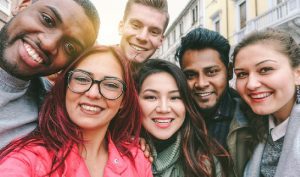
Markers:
(88, 125)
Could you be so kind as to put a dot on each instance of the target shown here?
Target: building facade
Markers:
(6, 6)
(190, 18)
(234, 19)
(279, 14)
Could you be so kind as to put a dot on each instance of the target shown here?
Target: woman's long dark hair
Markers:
(58, 134)
(198, 149)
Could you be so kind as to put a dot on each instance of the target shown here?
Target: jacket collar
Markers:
(225, 107)
(115, 160)
(75, 162)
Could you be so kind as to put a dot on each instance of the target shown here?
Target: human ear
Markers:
(161, 40)
(23, 4)
(121, 27)
(297, 75)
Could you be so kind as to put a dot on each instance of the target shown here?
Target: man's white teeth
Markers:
(137, 48)
(259, 96)
(32, 53)
(90, 108)
(204, 94)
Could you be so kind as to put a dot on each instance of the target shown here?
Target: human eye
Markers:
(241, 75)
(190, 75)
(48, 20)
(70, 49)
(212, 72)
(155, 32)
(81, 79)
(135, 25)
(175, 97)
(149, 97)
(265, 70)
(111, 85)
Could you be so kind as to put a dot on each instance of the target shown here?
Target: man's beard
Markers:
(4, 62)
(208, 113)
(3, 46)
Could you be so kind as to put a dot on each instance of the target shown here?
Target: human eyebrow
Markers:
(174, 91)
(238, 69)
(56, 13)
(150, 90)
(112, 77)
(84, 71)
(188, 71)
(265, 62)
(211, 67)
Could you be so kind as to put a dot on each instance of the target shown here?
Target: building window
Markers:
(181, 28)
(243, 14)
(174, 35)
(217, 25)
(279, 1)
(195, 14)
(216, 21)
(5, 6)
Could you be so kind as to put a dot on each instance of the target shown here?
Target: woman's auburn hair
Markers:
(58, 134)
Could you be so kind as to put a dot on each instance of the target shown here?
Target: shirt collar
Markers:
(11, 82)
(225, 107)
(278, 131)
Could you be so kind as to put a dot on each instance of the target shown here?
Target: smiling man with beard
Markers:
(204, 57)
(42, 38)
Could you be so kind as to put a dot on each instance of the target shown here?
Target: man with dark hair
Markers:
(42, 38)
(142, 28)
(204, 57)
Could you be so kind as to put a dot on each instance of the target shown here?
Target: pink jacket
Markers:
(37, 162)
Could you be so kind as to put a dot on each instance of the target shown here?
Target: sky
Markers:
(111, 13)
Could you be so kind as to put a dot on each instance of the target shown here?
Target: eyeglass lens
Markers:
(80, 82)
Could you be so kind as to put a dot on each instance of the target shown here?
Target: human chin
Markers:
(261, 110)
(162, 134)
(140, 58)
(207, 104)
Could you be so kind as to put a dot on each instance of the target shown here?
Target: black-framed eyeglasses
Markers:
(80, 81)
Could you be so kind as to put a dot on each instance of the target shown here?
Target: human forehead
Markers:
(101, 64)
(201, 58)
(147, 15)
(160, 82)
(74, 22)
(252, 55)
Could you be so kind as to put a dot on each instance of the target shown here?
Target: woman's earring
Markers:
(298, 94)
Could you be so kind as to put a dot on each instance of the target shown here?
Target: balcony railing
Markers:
(277, 16)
